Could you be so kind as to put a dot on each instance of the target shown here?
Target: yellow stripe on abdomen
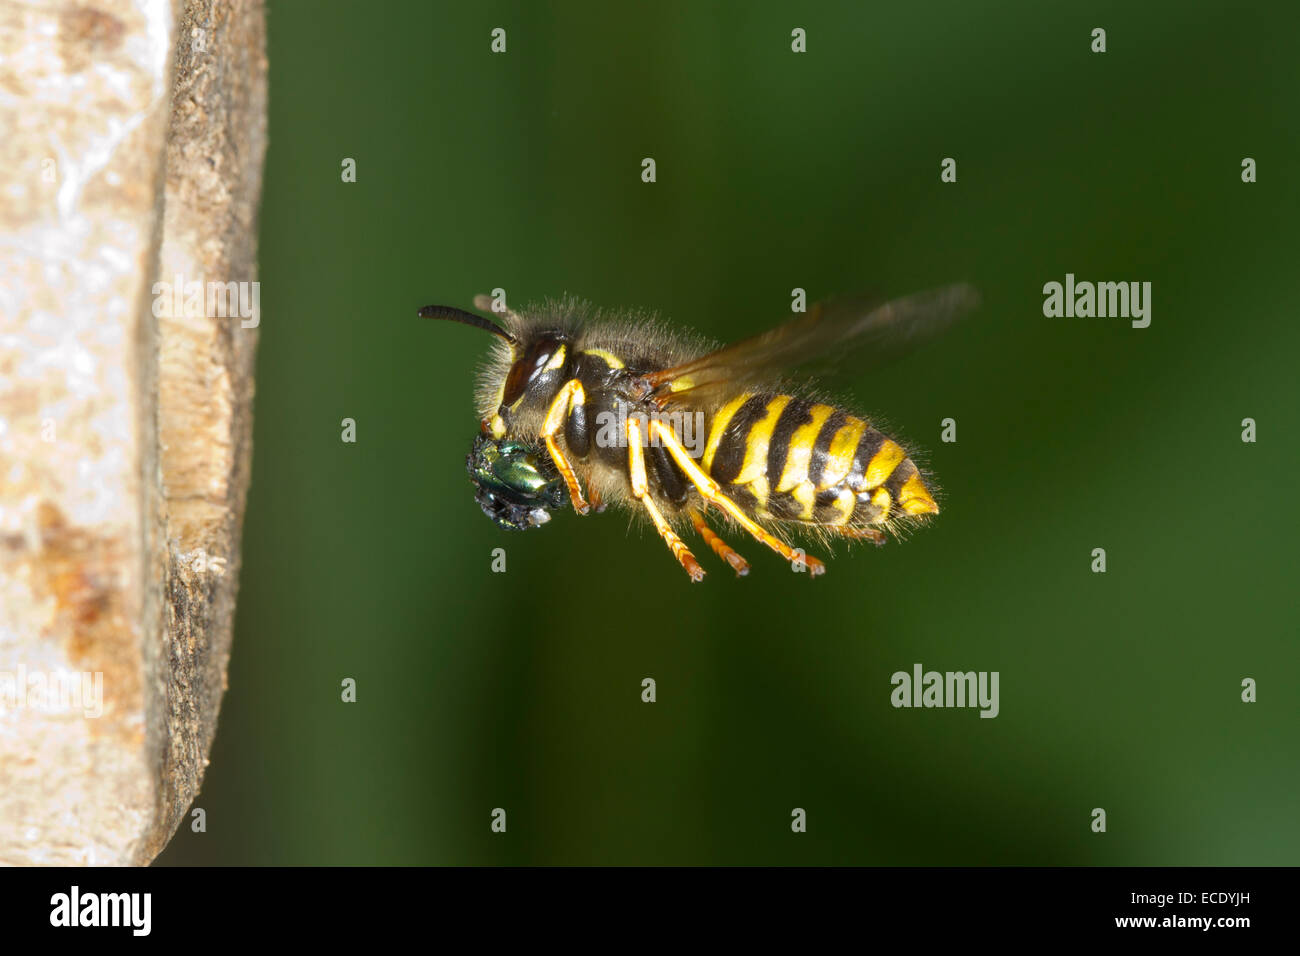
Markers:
(757, 441)
(799, 449)
(718, 428)
(791, 459)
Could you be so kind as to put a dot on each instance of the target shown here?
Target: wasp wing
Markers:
(858, 329)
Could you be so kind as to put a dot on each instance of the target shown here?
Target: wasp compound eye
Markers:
(515, 483)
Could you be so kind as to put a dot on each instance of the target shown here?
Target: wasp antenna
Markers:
(453, 314)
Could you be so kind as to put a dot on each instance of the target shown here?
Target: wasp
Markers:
(614, 409)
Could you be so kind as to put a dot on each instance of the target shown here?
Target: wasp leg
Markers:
(570, 394)
(720, 547)
(874, 535)
(709, 489)
(641, 491)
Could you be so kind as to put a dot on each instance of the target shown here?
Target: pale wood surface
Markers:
(134, 133)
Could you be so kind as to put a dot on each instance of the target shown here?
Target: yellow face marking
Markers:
(883, 464)
(799, 452)
(914, 498)
(557, 360)
(610, 359)
(497, 425)
(756, 442)
(719, 426)
(882, 501)
(839, 457)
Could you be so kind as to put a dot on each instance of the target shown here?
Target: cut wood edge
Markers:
(125, 423)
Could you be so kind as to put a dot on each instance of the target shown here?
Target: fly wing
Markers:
(854, 330)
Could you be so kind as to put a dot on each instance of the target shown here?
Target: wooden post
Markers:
(134, 136)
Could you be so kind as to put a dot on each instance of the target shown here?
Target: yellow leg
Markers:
(873, 535)
(593, 494)
(571, 394)
(709, 489)
(720, 547)
(641, 491)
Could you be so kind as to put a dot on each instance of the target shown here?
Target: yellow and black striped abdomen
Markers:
(787, 458)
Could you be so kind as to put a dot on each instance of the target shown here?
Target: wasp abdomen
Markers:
(792, 459)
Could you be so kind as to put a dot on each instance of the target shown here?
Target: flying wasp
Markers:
(604, 408)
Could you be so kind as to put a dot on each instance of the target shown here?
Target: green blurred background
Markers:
(775, 170)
